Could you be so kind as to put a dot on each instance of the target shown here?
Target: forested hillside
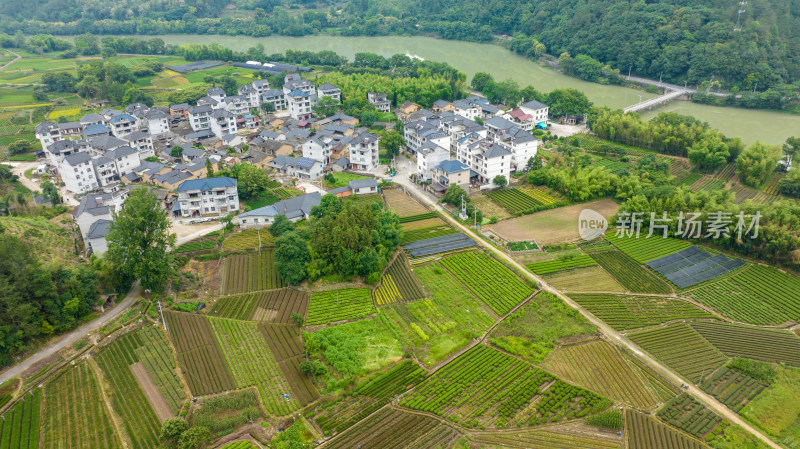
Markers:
(687, 41)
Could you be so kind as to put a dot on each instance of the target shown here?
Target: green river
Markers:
(750, 125)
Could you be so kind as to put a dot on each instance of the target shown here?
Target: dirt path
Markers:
(612, 335)
(18, 57)
(71, 337)
(151, 392)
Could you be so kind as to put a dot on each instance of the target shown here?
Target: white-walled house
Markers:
(467, 109)
(538, 110)
(123, 124)
(142, 142)
(199, 117)
(276, 97)
(301, 168)
(522, 144)
(77, 172)
(318, 149)
(429, 156)
(157, 122)
(125, 159)
(484, 157)
(208, 196)
(47, 133)
(300, 104)
(380, 101)
(329, 90)
(364, 151)
(222, 123)
(294, 81)
(295, 209)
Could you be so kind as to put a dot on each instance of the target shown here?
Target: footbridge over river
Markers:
(668, 96)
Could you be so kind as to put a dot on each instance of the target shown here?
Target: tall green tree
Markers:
(756, 163)
(326, 106)
(292, 257)
(709, 154)
(392, 142)
(139, 240)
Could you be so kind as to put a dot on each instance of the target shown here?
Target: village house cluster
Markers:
(170, 150)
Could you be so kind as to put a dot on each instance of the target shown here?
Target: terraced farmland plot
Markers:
(732, 387)
(336, 305)
(199, 354)
(274, 306)
(127, 398)
(371, 394)
(490, 280)
(690, 179)
(771, 186)
(682, 349)
(253, 364)
(287, 347)
(19, 427)
(712, 185)
(685, 413)
(426, 233)
(589, 279)
(744, 193)
(645, 432)
(250, 272)
(568, 436)
(633, 276)
(726, 172)
(513, 200)
(758, 295)
(624, 312)
(74, 414)
(398, 284)
(396, 429)
(486, 387)
(767, 345)
(644, 249)
(600, 367)
(552, 266)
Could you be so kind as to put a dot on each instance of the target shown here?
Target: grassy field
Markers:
(585, 280)
(624, 312)
(682, 349)
(600, 367)
(435, 328)
(402, 204)
(248, 239)
(414, 235)
(777, 409)
(53, 243)
(629, 273)
(534, 330)
(342, 179)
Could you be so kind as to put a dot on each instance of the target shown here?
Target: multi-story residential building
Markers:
(329, 90)
(429, 156)
(419, 132)
(95, 130)
(300, 104)
(92, 119)
(538, 110)
(238, 105)
(260, 87)
(484, 157)
(276, 97)
(467, 109)
(222, 122)
(451, 172)
(77, 172)
(216, 93)
(522, 144)
(123, 124)
(105, 170)
(157, 123)
(60, 149)
(293, 81)
(199, 117)
(253, 97)
(380, 101)
(142, 142)
(301, 168)
(47, 133)
(318, 148)
(208, 196)
(364, 151)
(125, 159)
(94, 215)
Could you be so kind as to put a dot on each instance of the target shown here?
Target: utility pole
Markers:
(754, 87)
(629, 71)
(659, 78)
(161, 311)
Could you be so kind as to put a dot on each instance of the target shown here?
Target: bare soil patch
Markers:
(151, 391)
(402, 204)
(553, 226)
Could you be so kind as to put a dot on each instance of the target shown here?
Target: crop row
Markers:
(127, 398)
(771, 186)
(199, 354)
(712, 185)
(252, 364)
(418, 217)
(552, 266)
(644, 249)
(287, 347)
(484, 383)
(74, 414)
(645, 432)
(250, 272)
(490, 280)
(514, 200)
(732, 387)
(248, 239)
(387, 292)
(768, 345)
(343, 304)
(426, 233)
(271, 306)
(757, 289)
(624, 312)
(682, 349)
(19, 427)
(387, 429)
(630, 274)
(408, 286)
(685, 413)
(156, 356)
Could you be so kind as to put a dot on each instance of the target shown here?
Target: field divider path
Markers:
(613, 336)
(112, 415)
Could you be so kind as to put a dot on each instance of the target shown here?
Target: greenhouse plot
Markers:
(250, 272)
(274, 306)
(693, 266)
(199, 354)
(370, 395)
(682, 349)
(81, 419)
(436, 245)
(253, 364)
(624, 312)
(19, 428)
(484, 387)
(287, 347)
(645, 432)
(766, 345)
(336, 305)
(490, 280)
(732, 387)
